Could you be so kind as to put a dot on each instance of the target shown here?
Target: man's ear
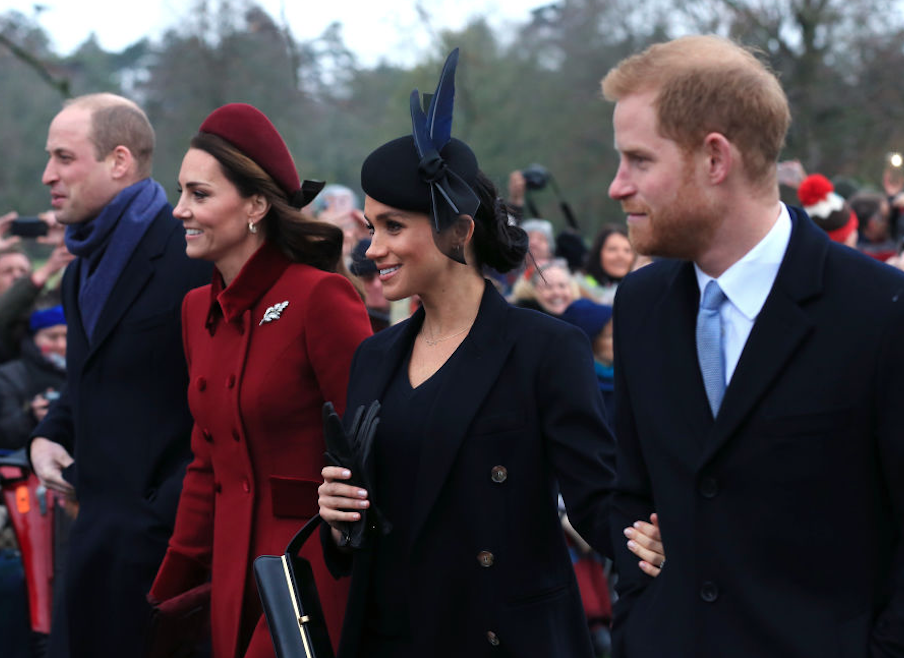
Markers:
(721, 157)
(121, 162)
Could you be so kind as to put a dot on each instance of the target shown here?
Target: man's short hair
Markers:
(14, 249)
(708, 84)
(117, 121)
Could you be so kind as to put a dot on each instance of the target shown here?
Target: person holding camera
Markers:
(20, 287)
(30, 383)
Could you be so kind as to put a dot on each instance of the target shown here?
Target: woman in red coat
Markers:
(267, 343)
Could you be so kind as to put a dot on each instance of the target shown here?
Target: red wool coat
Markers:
(256, 391)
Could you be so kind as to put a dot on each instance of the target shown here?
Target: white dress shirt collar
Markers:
(747, 283)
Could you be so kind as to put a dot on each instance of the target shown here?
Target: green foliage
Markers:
(529, 94)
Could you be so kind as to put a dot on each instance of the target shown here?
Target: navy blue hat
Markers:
(428, 171)
(588, 316)
(361, 264)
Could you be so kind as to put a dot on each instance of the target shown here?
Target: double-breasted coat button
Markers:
(235, 435)
(230, 381)
(201, 383)
(485, 558)
(206, 434)
(499, 474)
(492, 638)
(246, 486)
(709, 591)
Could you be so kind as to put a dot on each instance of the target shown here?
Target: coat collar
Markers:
(256, 277)
(671, 327)
(486, 333)
(486, 350)
(470, 380)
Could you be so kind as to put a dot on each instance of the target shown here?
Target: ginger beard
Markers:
(683, 227)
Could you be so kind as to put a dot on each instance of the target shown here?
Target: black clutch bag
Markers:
(289, 596)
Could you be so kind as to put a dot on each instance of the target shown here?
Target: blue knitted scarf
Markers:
(105, 244)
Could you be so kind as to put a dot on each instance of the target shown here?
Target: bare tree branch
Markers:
(60, 84)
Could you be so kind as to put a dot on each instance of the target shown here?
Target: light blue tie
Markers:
(710, 346)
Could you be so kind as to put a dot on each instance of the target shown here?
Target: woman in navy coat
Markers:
(488, 411)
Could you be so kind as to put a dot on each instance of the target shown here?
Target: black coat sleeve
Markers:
(580, 442)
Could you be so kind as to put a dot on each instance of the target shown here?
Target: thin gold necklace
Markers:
(436, 341)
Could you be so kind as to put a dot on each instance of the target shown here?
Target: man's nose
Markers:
(621, 186)
(49, 176)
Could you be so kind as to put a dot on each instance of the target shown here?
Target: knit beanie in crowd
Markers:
(826, 207)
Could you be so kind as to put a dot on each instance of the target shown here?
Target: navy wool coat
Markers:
(524, 400)
(782, 518)
(124, 418)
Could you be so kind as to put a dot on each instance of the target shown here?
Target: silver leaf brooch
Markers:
(273, 313)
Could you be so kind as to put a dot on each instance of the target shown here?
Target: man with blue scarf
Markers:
(117, 440)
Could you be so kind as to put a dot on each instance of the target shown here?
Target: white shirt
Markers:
(746, 285)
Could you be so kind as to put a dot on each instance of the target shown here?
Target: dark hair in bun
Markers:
(497, 243)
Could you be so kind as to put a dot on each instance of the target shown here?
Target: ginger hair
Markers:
(706, 84)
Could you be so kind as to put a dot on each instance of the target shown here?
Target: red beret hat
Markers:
(250, 131)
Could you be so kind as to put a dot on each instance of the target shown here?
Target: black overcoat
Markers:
(520, 413)
(125, 420)
(782, 518)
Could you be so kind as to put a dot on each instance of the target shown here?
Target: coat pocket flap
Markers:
(294, 497)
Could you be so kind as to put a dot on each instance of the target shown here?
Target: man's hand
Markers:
(39, 405)
(791, 173)
(645, 541)
(516, 187)
(59, 258)
(49, 459)
(56, 232)
(5, 221)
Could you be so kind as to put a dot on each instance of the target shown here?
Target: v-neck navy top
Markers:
(397, 450)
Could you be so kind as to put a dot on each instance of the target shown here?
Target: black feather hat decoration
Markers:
(429, 171)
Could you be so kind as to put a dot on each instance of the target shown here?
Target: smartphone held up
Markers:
(28, 227)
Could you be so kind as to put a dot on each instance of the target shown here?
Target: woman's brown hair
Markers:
(302, 240)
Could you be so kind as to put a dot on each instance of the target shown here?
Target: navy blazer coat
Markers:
(782, 518)
(124, 418)
(520, 413)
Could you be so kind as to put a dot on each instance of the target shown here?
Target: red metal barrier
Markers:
(31, 508)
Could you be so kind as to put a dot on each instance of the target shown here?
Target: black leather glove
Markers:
(352, 449)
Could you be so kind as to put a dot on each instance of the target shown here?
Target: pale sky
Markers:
(374, 29)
